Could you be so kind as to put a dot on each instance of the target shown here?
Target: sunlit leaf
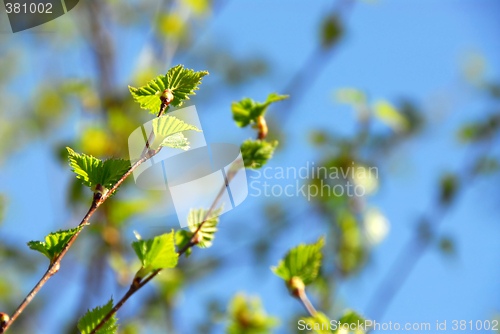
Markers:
(388, 114)
(256, 153)
(182, 82)
(247, 316)
(93, 171)
(247, 110)
(156, 253)
(168, 132)
(91, 319)
(54, 243)
(302, 261)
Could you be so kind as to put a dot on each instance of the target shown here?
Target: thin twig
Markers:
(307, 303)
(96, 203)
(137, 285)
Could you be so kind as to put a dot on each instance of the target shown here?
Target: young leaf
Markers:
(247, 110)
(247, 316)
(93, 171)
(207, 231)
(182, 82)
(91, 319)
(320, 324)
(182, 238)
(176, 141)
(256, 152)
(388, 114)
(54, 243)
(302, 261)
(156, 253)
(352, 317)
(168, 132)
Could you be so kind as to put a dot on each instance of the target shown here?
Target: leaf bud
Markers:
(167, 96)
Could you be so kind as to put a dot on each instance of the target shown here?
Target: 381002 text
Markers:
(33, 8)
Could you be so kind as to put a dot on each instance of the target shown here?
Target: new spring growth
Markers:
(4, 319)
(297, 286)
(167, 96)
(262, 126)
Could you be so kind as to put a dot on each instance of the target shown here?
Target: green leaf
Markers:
(54, 243)
(352, 317)
(256, 152)
(182, 82)
(247, 110)
(156, 253)
(168, 132)
(331, 31)
(93, 171)
(302, 261)
(247, 316)
(91, 319)
(388, 114)
(176, 141)
(351, 96)
(182, 238)
(207, 231)
(319, 323)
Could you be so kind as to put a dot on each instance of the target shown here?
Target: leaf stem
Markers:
(165, 101)
(307, 303)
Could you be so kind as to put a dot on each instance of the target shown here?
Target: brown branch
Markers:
(307, 303)
(96, 203)
(137, 285)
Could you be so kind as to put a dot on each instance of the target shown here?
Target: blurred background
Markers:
(412, 88)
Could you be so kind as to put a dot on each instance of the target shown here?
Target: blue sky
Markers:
(393, 49)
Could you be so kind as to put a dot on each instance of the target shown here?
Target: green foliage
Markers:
(156, 253)
(350, 252)
(449, 186)
(351, 96)
(256, 152)
(176, 141)
(321, 323)
(447, 246)
(388, 114)
(247, 316)
(182, 82)
(168, 132)
(331, 31)
(352, 317)
(302, 261)
(54, 243)
(247, 110)
(207, 231)
(93, 171)
(91, 319)
(477, 131)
